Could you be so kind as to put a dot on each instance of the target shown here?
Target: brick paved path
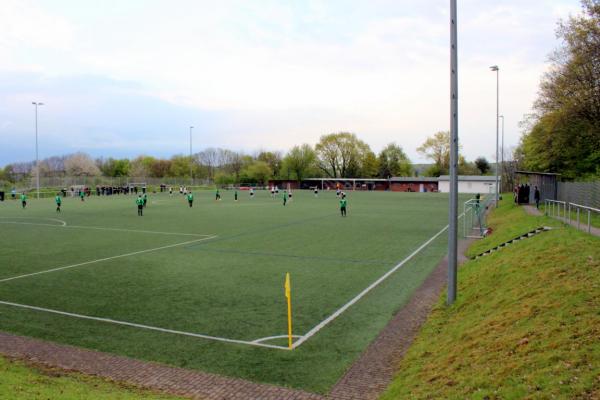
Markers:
(365, 380)
(375, 369)
(174, 380)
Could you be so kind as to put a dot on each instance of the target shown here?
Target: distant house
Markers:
(469, 184)
(414, 184)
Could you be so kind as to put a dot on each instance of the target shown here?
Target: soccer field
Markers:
(202, 287)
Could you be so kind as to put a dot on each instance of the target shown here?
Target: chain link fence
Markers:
(93, 181)
(584, 193)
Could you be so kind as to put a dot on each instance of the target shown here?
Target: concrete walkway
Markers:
(582, 227)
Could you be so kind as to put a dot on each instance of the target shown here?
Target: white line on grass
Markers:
(105, 259)
(140, 326)
(266, 339)
(60, 221)
(136, 231)
(359, 296)
(64, 225)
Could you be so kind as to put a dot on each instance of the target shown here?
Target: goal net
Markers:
(475, 216)
(136, 187)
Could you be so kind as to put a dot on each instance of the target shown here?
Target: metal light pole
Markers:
(191, 159)
(453, 212)
(37, 160)
(502, 151)
(497, 70)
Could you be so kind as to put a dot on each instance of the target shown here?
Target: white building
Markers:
(470, 184)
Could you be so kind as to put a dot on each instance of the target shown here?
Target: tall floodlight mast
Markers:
(496, 69)
(191, 160)
(453, 212)
(37, 159)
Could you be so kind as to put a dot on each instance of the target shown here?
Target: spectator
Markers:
(536, 196)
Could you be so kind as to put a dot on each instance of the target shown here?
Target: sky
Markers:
(124, 78)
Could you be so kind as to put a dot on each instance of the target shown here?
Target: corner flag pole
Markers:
(288, 295)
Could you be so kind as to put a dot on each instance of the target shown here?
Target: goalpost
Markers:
(475, 216)
(141, 186)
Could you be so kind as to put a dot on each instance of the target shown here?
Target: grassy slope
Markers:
(21, 382)
(526, 323)
(231, 286)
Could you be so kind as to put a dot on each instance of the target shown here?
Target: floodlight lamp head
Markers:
(494, 68)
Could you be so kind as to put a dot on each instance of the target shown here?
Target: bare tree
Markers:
(80, 164)
(209, 158)
(509, 167)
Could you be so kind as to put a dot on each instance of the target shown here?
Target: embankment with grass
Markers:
(19, 381)
(526, 323)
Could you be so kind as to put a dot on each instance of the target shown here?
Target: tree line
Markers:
(563, 133)
(336, 155)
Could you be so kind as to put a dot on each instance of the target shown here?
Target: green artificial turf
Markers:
(22, 382)
(525, 324)
(229, 285)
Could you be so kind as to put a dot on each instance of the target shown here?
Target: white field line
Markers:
(266, 339)
(64, 225)
(136, 230)
(359, 296)
(60, 221)
(140, 326)
(105, 259)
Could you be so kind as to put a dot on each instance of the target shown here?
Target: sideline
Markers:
(359, 296)
(141, 326)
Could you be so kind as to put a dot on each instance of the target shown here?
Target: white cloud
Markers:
(290, 72)
(26, 27)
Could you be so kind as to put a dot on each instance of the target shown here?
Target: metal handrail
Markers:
(586, 207)
(589, 215)
(554, 207)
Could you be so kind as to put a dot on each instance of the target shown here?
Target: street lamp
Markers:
(37, 160)
(496, 69)
(502, 149)
(191, 159)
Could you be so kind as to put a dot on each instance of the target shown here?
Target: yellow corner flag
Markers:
(288, 295)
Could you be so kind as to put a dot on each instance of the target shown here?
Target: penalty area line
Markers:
(359, 296)
(141, 326)
(102, 228)
(106, 259)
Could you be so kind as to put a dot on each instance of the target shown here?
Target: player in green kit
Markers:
(140, 205)
(235, 196)
(58, 201)
(23, 200)
(217, 195)
(343, 203)
(145, 198)
(190, 199)
(81, 194)
(285, 197)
